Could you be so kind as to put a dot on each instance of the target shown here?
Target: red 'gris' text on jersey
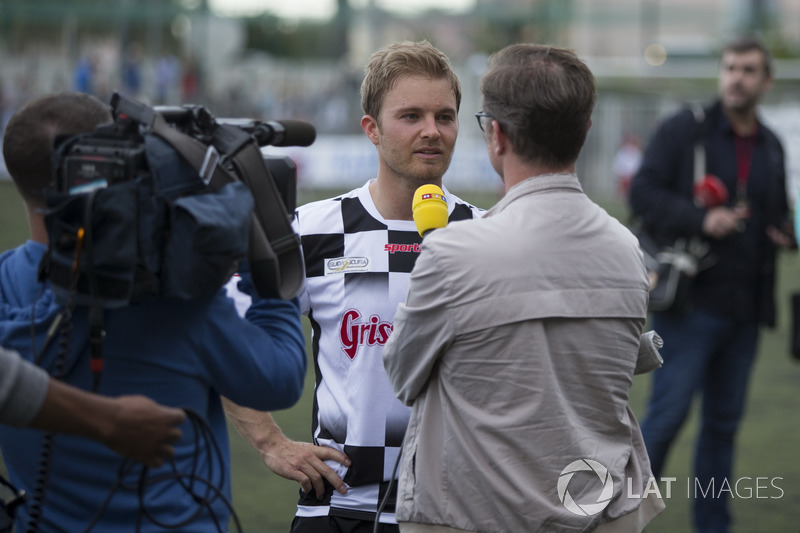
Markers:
(353, 332)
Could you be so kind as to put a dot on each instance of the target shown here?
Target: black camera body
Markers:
(115, 152)
(100, 160)
(168, 202)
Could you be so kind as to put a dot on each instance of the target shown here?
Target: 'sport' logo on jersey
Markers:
(355, 332)
(392, 248)
(343, 265)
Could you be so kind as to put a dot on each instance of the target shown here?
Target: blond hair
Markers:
(405, 58)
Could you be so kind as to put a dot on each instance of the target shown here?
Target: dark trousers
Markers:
(336, 524)
(711, 355)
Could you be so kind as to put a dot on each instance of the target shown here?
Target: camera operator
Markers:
(134, 426)
(179, 353)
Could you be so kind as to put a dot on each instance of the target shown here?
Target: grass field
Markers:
(768, 441)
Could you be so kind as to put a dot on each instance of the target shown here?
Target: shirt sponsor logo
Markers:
(343, 265)
(392, 248)
(355, 332)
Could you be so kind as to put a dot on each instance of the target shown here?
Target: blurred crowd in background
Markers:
(649, 57)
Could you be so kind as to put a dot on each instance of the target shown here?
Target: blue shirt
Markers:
(179, 353)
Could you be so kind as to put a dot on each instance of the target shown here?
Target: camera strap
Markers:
(96, 318)
(276, 257)
(699, 143)
(274, 253)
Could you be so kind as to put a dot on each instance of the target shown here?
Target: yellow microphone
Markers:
(429, 208)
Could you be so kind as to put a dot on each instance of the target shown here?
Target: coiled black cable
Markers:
(39, 489)
(191, 482)
(64, 328)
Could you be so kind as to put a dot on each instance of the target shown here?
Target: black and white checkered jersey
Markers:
(358, 267)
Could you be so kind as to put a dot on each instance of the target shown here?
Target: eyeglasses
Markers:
(481, 115)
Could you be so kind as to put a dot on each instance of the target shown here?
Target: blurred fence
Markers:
(326, 94)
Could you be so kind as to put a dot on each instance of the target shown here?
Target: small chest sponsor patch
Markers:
(343, 265)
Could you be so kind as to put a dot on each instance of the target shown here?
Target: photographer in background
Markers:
(133, 426)
(709, 349)
(179, 353)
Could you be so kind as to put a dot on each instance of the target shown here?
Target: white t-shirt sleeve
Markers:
(23, 388)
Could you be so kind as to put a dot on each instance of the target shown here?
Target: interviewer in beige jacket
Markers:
(519, 338)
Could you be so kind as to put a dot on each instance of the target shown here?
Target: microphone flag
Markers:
(429, 208)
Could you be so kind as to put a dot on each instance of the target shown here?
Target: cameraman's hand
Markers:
(305, 463)
(140, 429)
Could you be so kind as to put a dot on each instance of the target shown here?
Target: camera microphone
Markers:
(429, 208)
(275, 132)
(285, 133)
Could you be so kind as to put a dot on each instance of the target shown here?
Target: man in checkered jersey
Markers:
(359, 249)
